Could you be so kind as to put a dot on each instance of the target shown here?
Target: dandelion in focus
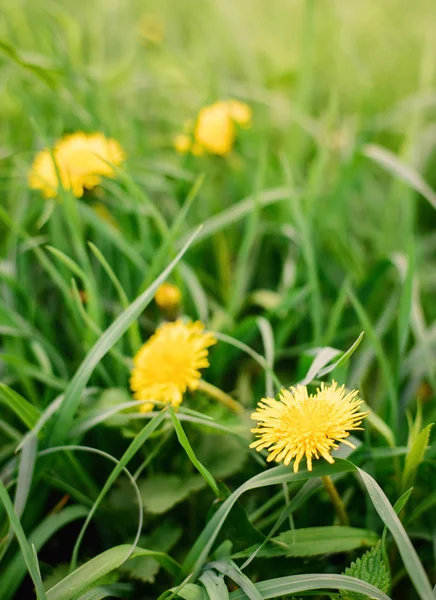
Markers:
(77, 161)
(215, 129)
(169, 363)
(300, 425)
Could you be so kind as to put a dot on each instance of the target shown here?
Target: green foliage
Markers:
(160, 493)
(162, 538)
(370, 567)
(309, 251)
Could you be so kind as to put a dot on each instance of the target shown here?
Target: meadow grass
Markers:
(316, 227)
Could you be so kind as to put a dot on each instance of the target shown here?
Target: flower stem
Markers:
(336, 500)
(219, 395)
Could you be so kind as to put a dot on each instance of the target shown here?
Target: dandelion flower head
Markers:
(214, 131)
(80, 161)
(300, 425)
(169, 363)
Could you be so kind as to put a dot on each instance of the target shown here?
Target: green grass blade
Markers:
(284, 586)
(384, 363)
(415, 457)
(71, 401)
(214, 585)
(239, 210)
(106, 591)
(407, 551)
(393, 164)
(268, 343)
(25, 546)
(184, 442)
(405, 308)
(133, 331)
(15, 571)
(133, 448)
(25, 411)
(235, 574)
(278, 475)
(82, 578)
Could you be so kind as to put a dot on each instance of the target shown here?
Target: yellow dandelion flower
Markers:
(81, 160)
(215, 129)
(169, 363)
(240, 112)
(299, 424)
(168, 295)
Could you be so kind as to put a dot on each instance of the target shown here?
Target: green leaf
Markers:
(237, 527)
(85, 576)
(22, 408)
(223, 455)
(160, 493)
(415, 457)
(370, 567)
(163, 538)
(313, 541)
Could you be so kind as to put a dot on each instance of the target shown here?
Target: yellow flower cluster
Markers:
(169, 363)
(78, 161)
(215, 129)
(299, 424)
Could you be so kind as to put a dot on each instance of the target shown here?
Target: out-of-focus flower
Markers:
(299, 424)
(168, 298)
(240, 112)
(152, 29)
(78, 161)
(214, 131)
(182, 143)
(169, 363)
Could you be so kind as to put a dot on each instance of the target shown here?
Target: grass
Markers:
(317, 226)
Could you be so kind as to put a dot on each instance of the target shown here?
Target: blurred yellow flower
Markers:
(169, 363)
(240, 112)
(81, 160)
(168, 296)
(214, 131)
(182, 143)
(299, 424)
